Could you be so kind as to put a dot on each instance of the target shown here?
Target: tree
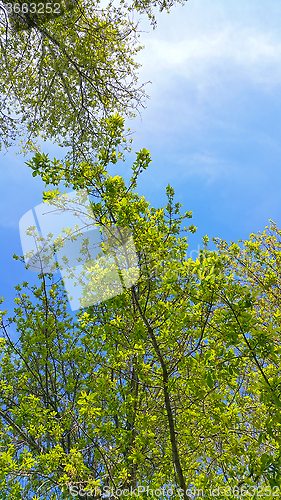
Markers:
(61, 78)
(157, 386)
(62, 74)
(256, 264)
(175, 381)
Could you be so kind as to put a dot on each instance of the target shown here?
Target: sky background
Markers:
(212, 125)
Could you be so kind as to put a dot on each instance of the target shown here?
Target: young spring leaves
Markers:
(157, 386)
(60, 78)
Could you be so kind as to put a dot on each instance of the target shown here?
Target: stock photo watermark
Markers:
(23, 15)
(107, 492)
(168, 492)
(95, 264)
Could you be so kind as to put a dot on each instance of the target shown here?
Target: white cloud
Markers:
(212, 44)
(253, 55)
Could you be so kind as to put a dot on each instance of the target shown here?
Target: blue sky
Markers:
(212, 124)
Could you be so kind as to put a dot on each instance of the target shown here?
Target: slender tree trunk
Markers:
(173, 440)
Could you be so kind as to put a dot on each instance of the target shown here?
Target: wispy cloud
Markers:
(254, 55)
(212, 46)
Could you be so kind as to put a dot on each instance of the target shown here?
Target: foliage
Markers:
(173, 383)
(62, 74)
(169, 383)
(60, 78)
(256, 264)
